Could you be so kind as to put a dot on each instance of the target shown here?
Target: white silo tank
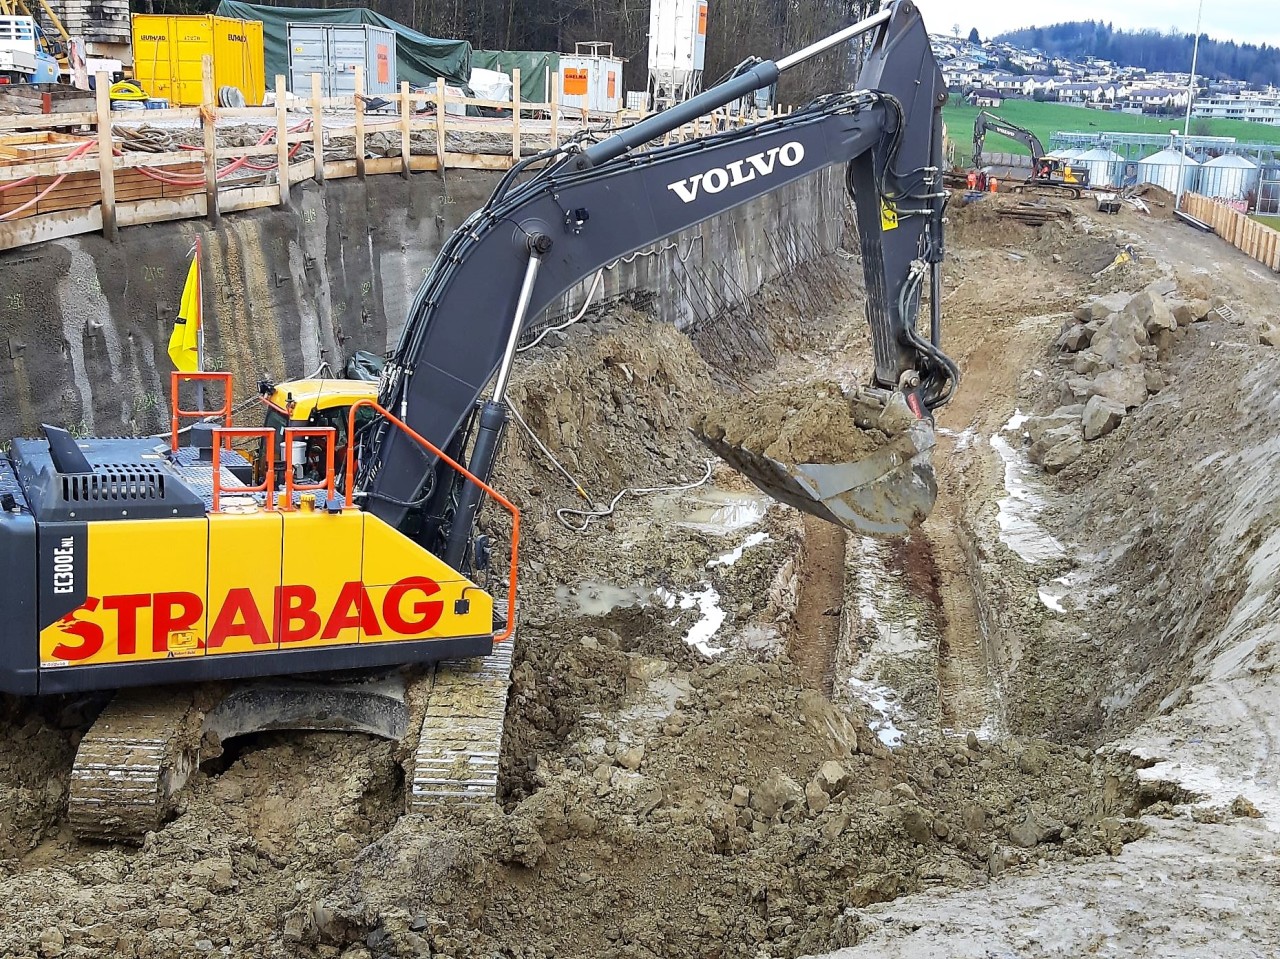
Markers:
(1103, 166)
(1228, 177)
(1166, 167)
(1070, 153)
(677, 48)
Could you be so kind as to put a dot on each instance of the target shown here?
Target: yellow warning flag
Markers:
(184, 341)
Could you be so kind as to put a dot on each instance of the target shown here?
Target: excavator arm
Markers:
(546, 229)
(986, 122)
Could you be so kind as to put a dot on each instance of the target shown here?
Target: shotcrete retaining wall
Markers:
(84, 323)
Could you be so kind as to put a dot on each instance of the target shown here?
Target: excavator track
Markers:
(131, 765)
(456, 759)
(1060, 190)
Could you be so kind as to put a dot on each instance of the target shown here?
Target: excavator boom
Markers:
(583, 209)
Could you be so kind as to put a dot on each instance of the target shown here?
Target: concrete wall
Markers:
(84, 323)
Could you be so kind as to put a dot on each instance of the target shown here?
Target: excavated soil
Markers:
(734, 734)
(811, 423)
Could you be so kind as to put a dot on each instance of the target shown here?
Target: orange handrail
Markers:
(176, 378)
(489, 490)
(222, 437)
(329, 485)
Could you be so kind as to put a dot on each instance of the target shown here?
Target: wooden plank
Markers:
(303, 170)
(249, 198)
(41, 121)
(359, 107)
(440, 121)
(208, 122)
(377, 165)
(555, 110)
(339, 169)
(152, 116)
(424, 163)
(479, 161)
(266, 116)
(54, 226)
(515, 113)
(282, 140)
(161, 210)
(106, 169)
(317, 127)
(406, 130)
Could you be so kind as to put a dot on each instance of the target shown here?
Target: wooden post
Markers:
(106, 158)
(515, 114)
(209, 124)
(317, 127)
(440, 123)
(282, 139)
(406, 114)
(359, 105)
(553, 100)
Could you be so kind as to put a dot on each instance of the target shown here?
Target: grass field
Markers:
(1271, 221)
(1044, 119)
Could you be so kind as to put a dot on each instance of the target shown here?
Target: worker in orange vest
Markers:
(972, 180)
(993, 183)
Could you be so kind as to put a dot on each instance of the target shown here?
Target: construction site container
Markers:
(1229, 177)
(1169, 169)
(168, 52)
(334, 51)
(591, 79)
(677, 48)
(1103, 166)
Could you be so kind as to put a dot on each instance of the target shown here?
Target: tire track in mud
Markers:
(813, 643)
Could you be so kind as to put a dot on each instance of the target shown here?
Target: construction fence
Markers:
(64, 174)
(1245, 234)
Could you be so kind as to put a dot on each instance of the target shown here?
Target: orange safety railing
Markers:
(329, 484)
(222, 438)
(224, 411)
(453, 464)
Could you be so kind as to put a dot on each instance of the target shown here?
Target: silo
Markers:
(1070, 153)
(1229, 177)
(677, 49)
(1165, 168)
(1103, 166)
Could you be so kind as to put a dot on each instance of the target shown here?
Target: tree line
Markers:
(736, 29)
(1168, 52)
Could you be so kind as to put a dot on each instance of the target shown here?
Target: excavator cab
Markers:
(317, 403)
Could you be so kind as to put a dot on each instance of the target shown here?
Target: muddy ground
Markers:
(734, 732)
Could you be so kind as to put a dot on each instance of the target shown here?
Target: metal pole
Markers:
(848, 33)
(1191, 98)
(199, 329)
(538, 245)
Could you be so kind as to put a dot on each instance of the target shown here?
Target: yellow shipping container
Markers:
(168, 53)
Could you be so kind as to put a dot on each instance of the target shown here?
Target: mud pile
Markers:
(813, 423)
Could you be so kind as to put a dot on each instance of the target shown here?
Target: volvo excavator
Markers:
(347, 585)
(1049, 174)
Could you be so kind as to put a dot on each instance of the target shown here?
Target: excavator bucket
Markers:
(886, 493)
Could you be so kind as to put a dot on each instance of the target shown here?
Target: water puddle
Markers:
(1018, 511)
(735, 554)
(707, 602)
(886, 711)
(595, 598)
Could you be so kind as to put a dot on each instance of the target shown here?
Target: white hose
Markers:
(589, 515)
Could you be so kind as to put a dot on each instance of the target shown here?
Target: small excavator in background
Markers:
(1049, 174)
(223, 597)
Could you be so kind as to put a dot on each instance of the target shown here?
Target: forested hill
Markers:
(1153, 50)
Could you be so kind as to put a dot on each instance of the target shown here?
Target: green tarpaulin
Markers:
(532, 65)
(421, 58)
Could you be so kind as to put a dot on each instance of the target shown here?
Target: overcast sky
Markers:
(1245, 21)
